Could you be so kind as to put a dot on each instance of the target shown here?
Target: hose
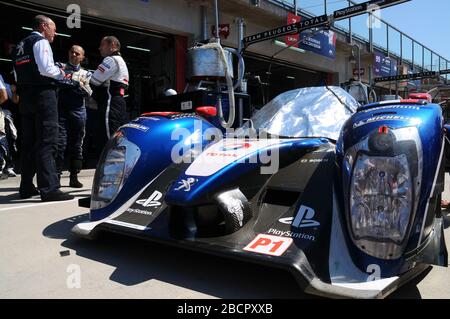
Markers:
(230, 87)
(241, 67)
(373, 95)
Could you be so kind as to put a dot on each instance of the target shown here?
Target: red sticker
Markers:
(269, 245)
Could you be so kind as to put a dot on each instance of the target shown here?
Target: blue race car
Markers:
(346, 197)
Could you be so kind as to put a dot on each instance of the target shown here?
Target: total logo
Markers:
(303, 219)
(233, 146)
(152, 200)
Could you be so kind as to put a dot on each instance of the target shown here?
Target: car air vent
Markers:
(281, 197)
(384, 113)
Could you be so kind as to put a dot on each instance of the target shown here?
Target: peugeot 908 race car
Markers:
(346, 197)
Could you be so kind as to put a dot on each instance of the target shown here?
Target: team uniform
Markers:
(111, 82)
(36, 73)
(72, 117)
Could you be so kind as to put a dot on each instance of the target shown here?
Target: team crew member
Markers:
(8, 131)
(72, 114)
(36, 74)
(111, 81)
(3, 140)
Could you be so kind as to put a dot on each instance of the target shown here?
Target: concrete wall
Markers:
(184, 17)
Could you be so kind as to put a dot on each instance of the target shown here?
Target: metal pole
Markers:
(370, 33)
(423, 57)
(325, 6)
(350, 26)
(295, 7)
(240, 33)
(431, 60)
(216, 9)
(401, 48)
(204, 23)
(446, 67)
(359, 59)
(387, 39)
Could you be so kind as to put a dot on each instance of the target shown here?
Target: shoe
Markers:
(3, 176)
(10, 172)
(74, 182)
(26, 195)
(56, 196)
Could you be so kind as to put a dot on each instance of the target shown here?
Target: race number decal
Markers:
(269, 245)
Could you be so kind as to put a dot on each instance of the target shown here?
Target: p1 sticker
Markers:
(269, 245)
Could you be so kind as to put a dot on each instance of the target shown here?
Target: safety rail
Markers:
(375, 32)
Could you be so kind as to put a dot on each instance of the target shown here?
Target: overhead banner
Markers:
(405, 77)
(384, 66)
(320, 21)
(365, 7)
(322, 43)
(287, 29)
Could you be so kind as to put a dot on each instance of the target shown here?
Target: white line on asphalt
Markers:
(37, 204)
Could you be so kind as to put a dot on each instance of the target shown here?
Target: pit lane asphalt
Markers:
(35, 239)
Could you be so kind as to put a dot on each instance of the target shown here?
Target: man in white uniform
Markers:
(110, 82)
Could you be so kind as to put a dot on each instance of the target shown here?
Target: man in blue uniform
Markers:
(36, 73)
(72, 114)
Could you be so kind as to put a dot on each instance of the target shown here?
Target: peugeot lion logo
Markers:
(304, 218)
(20, 50)
(186, 184)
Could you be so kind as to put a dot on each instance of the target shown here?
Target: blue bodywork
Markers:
(158, 143)
(313, 173)
(429, 122)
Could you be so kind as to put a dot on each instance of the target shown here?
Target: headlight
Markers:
(380, 198)
(115, 165)
(385, 177)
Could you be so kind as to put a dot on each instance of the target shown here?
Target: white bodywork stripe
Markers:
(128, 225)
(87, 227)
(215, 158)
(343, 272)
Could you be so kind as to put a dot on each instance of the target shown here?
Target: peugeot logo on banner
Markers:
(152, 201)
(303, 219)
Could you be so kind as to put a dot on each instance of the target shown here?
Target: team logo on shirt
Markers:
(103, 66)
(20, 49)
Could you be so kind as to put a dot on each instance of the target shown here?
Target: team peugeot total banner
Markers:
(322, 43)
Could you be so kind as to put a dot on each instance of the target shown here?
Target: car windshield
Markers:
(306, 112)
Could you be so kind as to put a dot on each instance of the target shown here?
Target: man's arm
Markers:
(15, 96)
(3, 96)
(43, 55)
(104, 71)
(3, 93)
